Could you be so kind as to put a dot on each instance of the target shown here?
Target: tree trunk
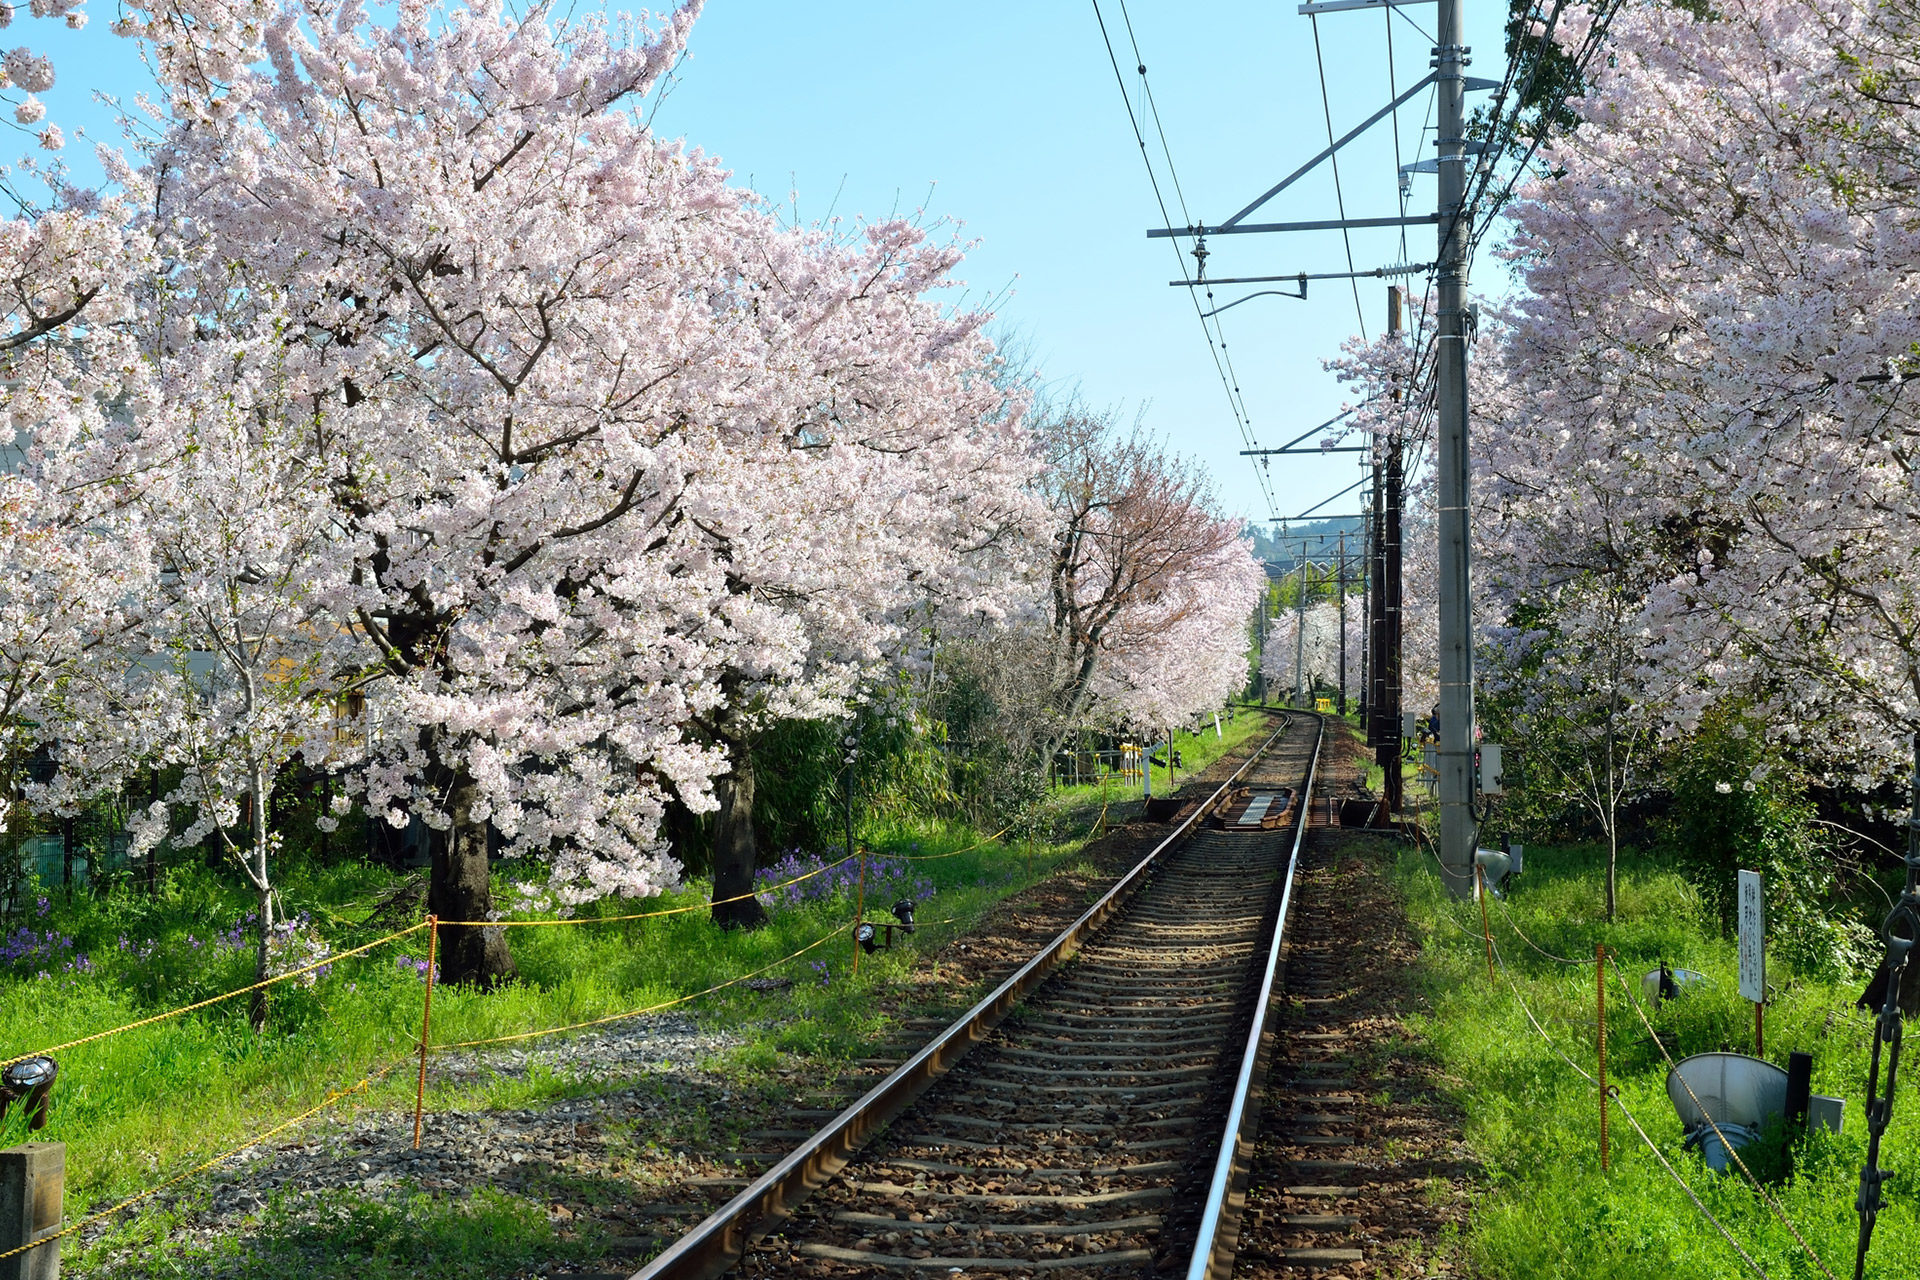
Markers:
(263, 892)
(736, 850)
(1613, 860)
(257, 1007)
(461, 889)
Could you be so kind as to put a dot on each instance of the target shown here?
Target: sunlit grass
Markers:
(142, 1105)
(1198, 751)
(1533, 1122)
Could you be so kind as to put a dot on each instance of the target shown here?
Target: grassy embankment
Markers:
(1534, 1122)
(136, 1107)
(139, 1107)
(1198, 751)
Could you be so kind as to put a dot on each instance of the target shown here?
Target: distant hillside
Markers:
(1320, 537)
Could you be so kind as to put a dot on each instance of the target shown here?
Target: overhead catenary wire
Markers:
(1218, 334)
(1339, 193)
(1215, 349)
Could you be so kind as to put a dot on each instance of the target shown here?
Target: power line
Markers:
(1339, 196)
(1221, 362)
(1218, 334)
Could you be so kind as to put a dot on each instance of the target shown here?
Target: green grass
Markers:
(1198, 751)
(1533, 1122)
(353, 1236)
(137, 1107)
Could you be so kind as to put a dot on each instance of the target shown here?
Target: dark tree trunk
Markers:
(461, 889)
(736, 851)
(326, 811)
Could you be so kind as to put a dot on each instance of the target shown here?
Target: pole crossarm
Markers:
(1345, 413)
(1344, 515)
(1416, 88)
(1324, 224)
(1343, 6)
(1329, 498)
(1378, 273)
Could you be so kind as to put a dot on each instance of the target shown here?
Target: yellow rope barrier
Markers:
(212, 1000)
(204, 1165)
(652, 1008)
(647, 915)
(935, 857)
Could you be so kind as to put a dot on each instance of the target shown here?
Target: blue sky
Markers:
(1006, 117)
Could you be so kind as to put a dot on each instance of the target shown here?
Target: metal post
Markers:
(1391, 613)
(1260, 654)
(32, 1178)
(1900, 932)
(1366, 614)
(1455, 753)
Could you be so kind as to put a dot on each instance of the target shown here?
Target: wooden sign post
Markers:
(1753, 953)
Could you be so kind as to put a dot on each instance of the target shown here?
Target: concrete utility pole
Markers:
(1453, 218)
(1458, 829)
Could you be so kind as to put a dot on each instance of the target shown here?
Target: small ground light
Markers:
(1666, 983)
(903, 912)
(1495, 866)
(31, 1079)
(864, 933)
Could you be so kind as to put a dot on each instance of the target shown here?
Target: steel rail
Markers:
(723, 1238)
(1214, 1248)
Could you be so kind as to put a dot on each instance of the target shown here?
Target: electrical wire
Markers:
(1339, 195)
(1399, 161)
(1215, 348)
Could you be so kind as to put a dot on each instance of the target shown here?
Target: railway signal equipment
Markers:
(1493, 778)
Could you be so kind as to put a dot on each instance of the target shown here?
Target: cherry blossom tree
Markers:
(1717, 327)
(72, 559)
(1317, 646)
(226, 666)
(620, 467)
(1137, 553)
(1183, 652)
(898, 494)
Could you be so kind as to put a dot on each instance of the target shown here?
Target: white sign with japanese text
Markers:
(1753, 937)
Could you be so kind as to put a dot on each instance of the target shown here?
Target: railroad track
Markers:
(1103, 1113)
